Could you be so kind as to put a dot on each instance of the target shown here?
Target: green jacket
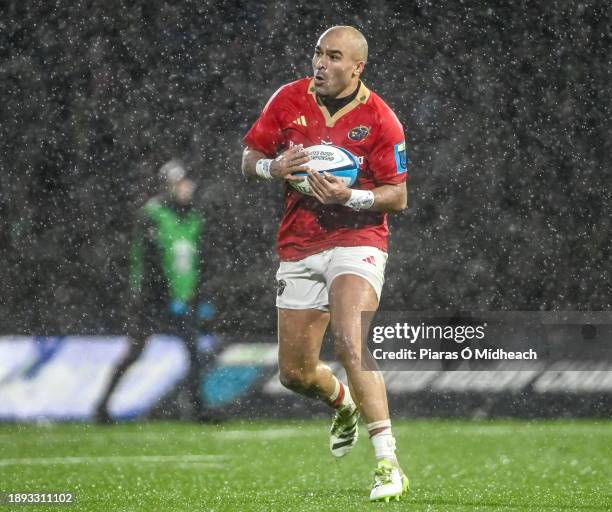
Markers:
(166, 257)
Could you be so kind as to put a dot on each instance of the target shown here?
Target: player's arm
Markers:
(256, 163)
(388, 198)
(388, 164)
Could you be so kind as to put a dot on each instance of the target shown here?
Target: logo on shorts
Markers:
(358, 133)
(281, 287)
(370, 259)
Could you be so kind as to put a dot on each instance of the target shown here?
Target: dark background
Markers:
(506, 110)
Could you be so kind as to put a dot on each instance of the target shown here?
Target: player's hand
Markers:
(328, 189)
(288, 162)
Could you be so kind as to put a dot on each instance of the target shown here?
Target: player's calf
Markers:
(298, 380)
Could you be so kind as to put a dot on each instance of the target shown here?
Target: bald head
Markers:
(339, 59)
(352, 38)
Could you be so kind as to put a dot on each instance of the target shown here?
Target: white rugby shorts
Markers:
(304, 284)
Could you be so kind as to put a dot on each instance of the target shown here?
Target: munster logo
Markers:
(358, 133)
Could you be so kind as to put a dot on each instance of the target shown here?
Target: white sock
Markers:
(382, 440)
(341, 397)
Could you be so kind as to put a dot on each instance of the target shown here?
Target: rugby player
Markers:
(333, 245)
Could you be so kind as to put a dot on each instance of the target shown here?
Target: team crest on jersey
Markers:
(358, 133)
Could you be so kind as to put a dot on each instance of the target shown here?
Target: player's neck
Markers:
(350, 91)
(335, 104)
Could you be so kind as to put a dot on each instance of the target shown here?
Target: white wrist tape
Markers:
(360, 199)
(262, 168)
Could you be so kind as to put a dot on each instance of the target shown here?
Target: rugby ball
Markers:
(335, 160)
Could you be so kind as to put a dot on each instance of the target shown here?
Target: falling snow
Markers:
(506, 109)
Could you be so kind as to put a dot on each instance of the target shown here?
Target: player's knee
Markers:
(296, 379)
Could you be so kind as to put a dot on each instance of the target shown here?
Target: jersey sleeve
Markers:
(266, 134)
(388, 161)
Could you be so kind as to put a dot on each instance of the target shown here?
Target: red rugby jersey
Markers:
(366, 127)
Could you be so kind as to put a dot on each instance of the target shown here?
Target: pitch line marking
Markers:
(237, 435)
(209, 460)
(543, 429)
(221, 435)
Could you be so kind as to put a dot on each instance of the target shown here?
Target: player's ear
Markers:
(359, 66)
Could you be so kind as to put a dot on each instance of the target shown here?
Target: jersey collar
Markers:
(362, 97)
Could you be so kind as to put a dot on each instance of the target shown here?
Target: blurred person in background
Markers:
(166, 282)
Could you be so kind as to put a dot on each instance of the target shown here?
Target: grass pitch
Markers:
(270, 466)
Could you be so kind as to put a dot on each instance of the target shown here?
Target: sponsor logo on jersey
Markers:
(401, 161)
(300, 121)
(358, 133)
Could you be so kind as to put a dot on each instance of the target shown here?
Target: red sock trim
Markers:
(339, 399)
(375, 431)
